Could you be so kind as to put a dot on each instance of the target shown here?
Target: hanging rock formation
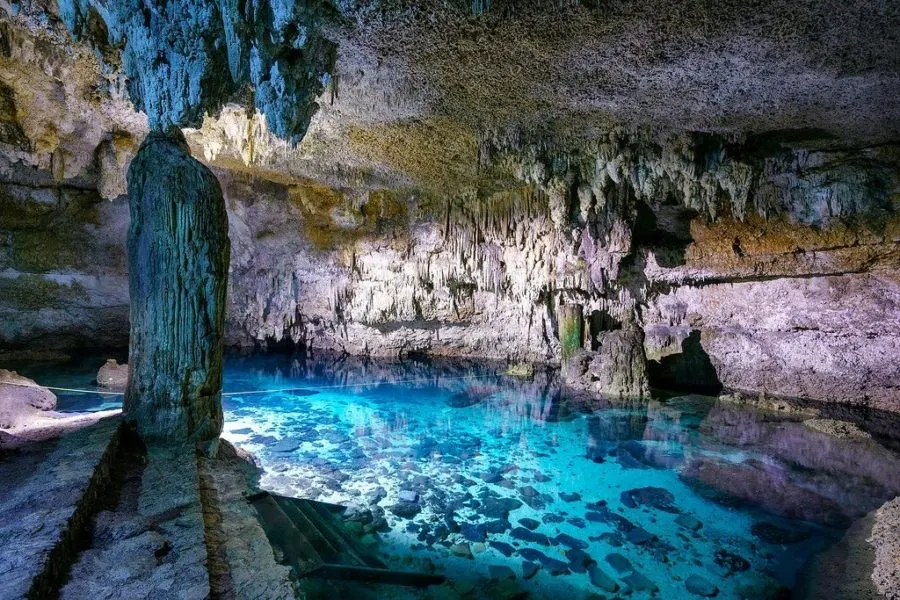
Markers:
(182, 60)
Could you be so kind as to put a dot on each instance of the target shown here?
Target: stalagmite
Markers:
(178, 251)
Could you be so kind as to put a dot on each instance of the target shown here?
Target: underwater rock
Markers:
(700, 586)
(579, 560)
(530, 524)
(499, 508)
(492, 477)
(552, 566)
(529, 569)
(461, 550)
(639, 583)
(619, 563)
(113, 375)
(529, 492)
(654, 497)
(601, 580)
(567, 540)
(474, 532)
(406, 510)
(520, 533)
(689, 522)
(639, 536)
(285, 445)
(535, 502)
(730, 562)
(408, 496)
(502, 547)
(552, 519)
(570, 497)
(497, 526)
(776, 535)
(499, 572)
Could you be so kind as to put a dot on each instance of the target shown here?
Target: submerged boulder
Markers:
(22, 400)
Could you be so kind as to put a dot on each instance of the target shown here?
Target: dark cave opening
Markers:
(690, 370)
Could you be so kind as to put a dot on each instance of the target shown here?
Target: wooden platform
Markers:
(312, 537)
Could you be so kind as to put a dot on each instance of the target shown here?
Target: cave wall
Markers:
(789, 310)
(760, 262)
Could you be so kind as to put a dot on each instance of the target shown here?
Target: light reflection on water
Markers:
(739, 497)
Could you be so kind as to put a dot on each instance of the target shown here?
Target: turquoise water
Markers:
(456, 467)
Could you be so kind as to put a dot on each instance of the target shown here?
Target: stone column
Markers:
(178, 253)
(571, 330)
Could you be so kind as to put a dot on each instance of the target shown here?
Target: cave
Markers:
(689, 370)
(449, 299)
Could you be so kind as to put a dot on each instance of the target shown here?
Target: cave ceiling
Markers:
(419, 93)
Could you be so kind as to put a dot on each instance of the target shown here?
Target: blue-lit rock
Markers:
(184, 58)
(178, 251)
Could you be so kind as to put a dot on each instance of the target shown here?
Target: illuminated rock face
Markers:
(178, 251)
(471, 174)
(183, 59)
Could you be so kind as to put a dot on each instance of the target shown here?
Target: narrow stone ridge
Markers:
(241, 561)
(152, 539)
(48, 506)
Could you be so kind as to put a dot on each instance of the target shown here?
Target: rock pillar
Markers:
(571, 330)
(178, 252)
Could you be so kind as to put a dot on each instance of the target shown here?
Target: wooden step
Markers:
(313, 540)
(285, 536)
(335, 531)
(383, 576)
(328, 549)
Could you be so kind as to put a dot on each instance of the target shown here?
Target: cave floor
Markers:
(43, 504)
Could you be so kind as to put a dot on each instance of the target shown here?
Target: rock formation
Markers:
(181, 61)
(742, 239)
(22, 400)
(178, 253)
(112, 375)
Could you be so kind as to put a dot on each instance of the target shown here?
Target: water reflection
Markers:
(452, 459)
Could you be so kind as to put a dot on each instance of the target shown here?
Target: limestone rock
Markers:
(178, 232)
(885, 538)
(113, 375)
(838, 429)
(616, 368)
(22, 400)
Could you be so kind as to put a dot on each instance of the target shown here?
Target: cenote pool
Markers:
(458, 468)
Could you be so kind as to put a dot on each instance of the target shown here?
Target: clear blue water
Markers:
(456, 459)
